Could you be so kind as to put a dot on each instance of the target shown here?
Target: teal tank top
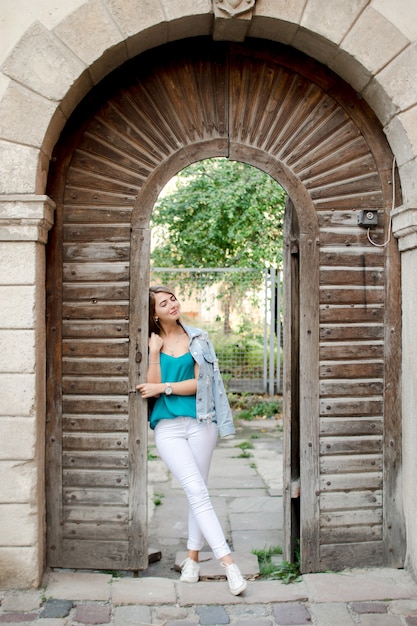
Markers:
(173, 370)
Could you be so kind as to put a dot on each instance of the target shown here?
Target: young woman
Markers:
(190, 409)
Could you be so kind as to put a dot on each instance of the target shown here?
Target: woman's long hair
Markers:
(154, 326)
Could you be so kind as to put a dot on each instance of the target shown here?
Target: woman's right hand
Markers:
(155, 343)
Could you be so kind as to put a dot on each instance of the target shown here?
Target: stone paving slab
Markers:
(256, 539)
(355, 585)
(331, 613)
(147, 591)
(77, 586)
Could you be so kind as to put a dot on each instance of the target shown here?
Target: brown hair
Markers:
(153, 324)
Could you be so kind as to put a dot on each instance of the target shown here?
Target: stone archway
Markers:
(277, 110)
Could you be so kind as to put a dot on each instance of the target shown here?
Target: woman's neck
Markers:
(170, 329)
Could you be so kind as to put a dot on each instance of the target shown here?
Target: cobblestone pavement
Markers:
(247, 494)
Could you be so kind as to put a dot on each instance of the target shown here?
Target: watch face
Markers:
(168, 390)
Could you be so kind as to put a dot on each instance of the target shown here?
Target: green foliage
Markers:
(266, 408)
(245, 445)
(284, 571)
(221, 213)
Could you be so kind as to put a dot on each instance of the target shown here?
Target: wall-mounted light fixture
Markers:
(368, 218)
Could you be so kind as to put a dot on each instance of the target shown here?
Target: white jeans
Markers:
(186, 447)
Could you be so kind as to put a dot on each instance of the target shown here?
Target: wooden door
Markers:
(269, 106)
(291, 395)
(96, 445)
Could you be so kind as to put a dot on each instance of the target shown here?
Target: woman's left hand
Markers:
(149, 390)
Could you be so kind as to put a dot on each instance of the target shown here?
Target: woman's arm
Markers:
(153, 388)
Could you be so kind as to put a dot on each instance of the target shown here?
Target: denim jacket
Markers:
(211, 398)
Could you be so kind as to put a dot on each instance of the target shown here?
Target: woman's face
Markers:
(167, 307)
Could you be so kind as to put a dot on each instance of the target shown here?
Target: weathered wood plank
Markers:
(349, 500)
(360, 295)
(352, 534)
(353, 369)
(358, 481)
(94, 423)
(334, 314)
(351, 426)
(95, 496)
(95, 271)
(351, 350)
(359, 444)
(94, 479)
(112, 311)
(96, 441)
(371, 258)
(335, 556)
(85, 329)
(352, 517)
(96, 367)
(95, 554)
(359, 276)
(99, 404)
(113, 512)
(96, 292)
(90, 459)
(73, 350)
(102, 532)
(351, 388)
(96, 214)
(351, 463)
(89, 385)
(96, 232)
(358, 332)
(351, 406)
(349, 237)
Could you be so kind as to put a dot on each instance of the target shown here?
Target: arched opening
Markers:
(265, 106)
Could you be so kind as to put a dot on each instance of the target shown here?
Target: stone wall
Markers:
(51, 54)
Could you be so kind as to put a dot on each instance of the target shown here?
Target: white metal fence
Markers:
(241, 310)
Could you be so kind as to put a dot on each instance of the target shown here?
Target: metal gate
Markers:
(241, 310)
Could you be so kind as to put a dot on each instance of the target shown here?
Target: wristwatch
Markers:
(168, 389)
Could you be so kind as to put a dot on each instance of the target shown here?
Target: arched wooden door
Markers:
(275, 109)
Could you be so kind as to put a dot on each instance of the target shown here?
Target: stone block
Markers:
(18, 437)
(17, 351)
(19, 567)
(315, 45)
(135, 17)
(18, 168)
(408, 175)
(19, 482)
(402, 135)
(398, 13)
(332, 20)
(18, 525)
(394, 89)
(41, 62)
(17, 395)
(350, 70)
(89, 32)
(17, 306)
(17, 262)
(25, 116)
(374, 41)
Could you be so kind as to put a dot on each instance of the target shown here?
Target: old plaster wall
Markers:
(51, 54)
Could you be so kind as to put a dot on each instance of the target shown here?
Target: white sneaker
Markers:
(237, 583)
(190, 571)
